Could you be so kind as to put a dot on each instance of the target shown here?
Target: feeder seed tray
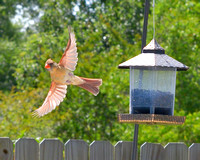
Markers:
(151, 119)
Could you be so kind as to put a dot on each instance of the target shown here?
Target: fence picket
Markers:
(123, 150)
(194, 151)
(151, 151)
(76, 150)
(176, 151)
(51, 149)
(26, 148)
(6, 149)
(101, 150)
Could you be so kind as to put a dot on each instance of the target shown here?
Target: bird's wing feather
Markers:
(69, 58)
(55, 95)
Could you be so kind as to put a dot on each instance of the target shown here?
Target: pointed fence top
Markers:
(153, 55)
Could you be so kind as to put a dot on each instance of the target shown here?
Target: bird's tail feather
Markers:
(91, 85)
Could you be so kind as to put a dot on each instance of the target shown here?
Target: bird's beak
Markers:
(47, 66)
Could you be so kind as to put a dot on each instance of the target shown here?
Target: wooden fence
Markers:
(53, 149)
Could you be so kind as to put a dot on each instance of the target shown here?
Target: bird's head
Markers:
(49, 64)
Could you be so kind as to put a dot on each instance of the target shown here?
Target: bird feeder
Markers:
(152, 86)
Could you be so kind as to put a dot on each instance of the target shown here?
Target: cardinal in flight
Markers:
(62, 75)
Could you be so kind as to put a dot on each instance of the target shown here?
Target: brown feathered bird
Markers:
(62, 75)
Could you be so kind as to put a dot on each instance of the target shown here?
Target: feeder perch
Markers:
(152, 87)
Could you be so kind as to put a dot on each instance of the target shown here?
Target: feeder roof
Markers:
(153, 55)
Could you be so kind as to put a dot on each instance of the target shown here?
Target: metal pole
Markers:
(144, 36)
(135, 141)
(146, 13)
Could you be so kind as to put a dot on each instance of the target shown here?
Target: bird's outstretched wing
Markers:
(69, 58)
(55, 95)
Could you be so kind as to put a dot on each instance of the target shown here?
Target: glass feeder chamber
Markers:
(152, 90)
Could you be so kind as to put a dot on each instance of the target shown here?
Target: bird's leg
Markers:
(68, 82)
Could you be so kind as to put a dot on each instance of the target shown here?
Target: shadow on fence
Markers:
(53, 149)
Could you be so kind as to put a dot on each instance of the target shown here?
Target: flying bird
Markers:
(62, 75)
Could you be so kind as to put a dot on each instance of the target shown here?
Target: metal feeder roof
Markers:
(153, 55)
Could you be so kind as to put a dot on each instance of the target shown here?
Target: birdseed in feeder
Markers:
(151, 102)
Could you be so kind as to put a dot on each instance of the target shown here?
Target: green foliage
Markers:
(7, 64)
(16, 119)
(108, 33)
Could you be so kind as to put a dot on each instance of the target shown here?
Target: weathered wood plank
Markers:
(123, 150)
(194, 151)
(6, 149)
(76, 150)
(151, 151)
(51, 149)
(101, 150)
(26, 149)
(176, 151)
